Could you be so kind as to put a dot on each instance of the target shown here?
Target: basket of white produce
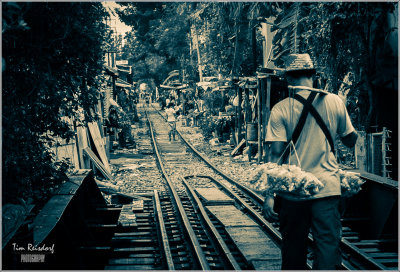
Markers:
(272, 178)
(350, 182)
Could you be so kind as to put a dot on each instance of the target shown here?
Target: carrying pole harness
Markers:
(308, 108)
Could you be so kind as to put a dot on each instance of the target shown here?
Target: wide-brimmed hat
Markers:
(298, 62)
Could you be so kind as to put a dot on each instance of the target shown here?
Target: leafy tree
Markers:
(354, 45)
(140, 48)
(53, 56)
(344, 38)
(163, 30)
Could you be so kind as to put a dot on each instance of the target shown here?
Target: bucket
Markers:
(183, 121)
(252, 131)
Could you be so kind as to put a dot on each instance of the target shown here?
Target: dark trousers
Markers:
(172, 131)
(323, 218)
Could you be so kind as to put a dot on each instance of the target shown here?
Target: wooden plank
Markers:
(49, 216)
(137, 206)
(259, 117)
(256, 247)
(67, 150)
(99, 144)
(370, 250)
(127, 218)
(388, 261)
(231, 216)
(266, 114)
(253, 110)
(380, 255)
(82, 144)
(75, 156)
(68, 188)
(99, 165)
(13, 216)
(132, 261)
(239, 110)
(130, 267)
(142, 249)
(238, 147)
(378, 179)
(96, 161)
(109, 189)
(214, 196)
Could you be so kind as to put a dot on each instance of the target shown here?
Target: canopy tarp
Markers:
(111, 71)
(174, 87)
(122, 83)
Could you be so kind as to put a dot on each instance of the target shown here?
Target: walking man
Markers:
(170, 111)
(315, 149)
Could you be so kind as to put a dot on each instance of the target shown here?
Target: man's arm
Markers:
(276, 151)
(350, 139)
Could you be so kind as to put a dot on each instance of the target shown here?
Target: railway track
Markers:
(358, 253)
(194, 218)
(215, 244)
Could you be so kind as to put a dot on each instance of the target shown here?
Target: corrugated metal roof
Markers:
(111, 71)
(122, 83)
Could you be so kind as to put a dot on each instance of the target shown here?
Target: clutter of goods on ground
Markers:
(272, 178)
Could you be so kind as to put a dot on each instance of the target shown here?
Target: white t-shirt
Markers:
(170, 114)
(312, 146)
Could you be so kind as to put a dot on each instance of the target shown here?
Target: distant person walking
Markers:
(171, 118)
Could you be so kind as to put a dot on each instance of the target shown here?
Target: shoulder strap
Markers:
(299, 127)
(319, 121)
(302, 120)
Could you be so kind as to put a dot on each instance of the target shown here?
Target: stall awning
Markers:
(174, 87)
(123, 84)
(111, 71)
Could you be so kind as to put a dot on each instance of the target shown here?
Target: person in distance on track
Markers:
(171, 118)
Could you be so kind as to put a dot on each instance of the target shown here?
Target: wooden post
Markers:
(247, 114)
(114, 88)
(237, 116)
(360, 151)
(254, 47)
(247, 105)
(240, 114)
(196, 45)
(267, 112)
(259, 117)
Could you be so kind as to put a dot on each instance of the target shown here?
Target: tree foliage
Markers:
(141, 44)
(345, 39)
(165, 31)
(53, 56)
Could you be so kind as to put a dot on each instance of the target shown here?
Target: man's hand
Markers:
(268, 209)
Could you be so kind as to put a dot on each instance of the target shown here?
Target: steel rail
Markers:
(163, 230)
(214, 231)
(268, 226)
(346, 245)
(247, 190)
(192, 235)
(256, 215)
(361, 256)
